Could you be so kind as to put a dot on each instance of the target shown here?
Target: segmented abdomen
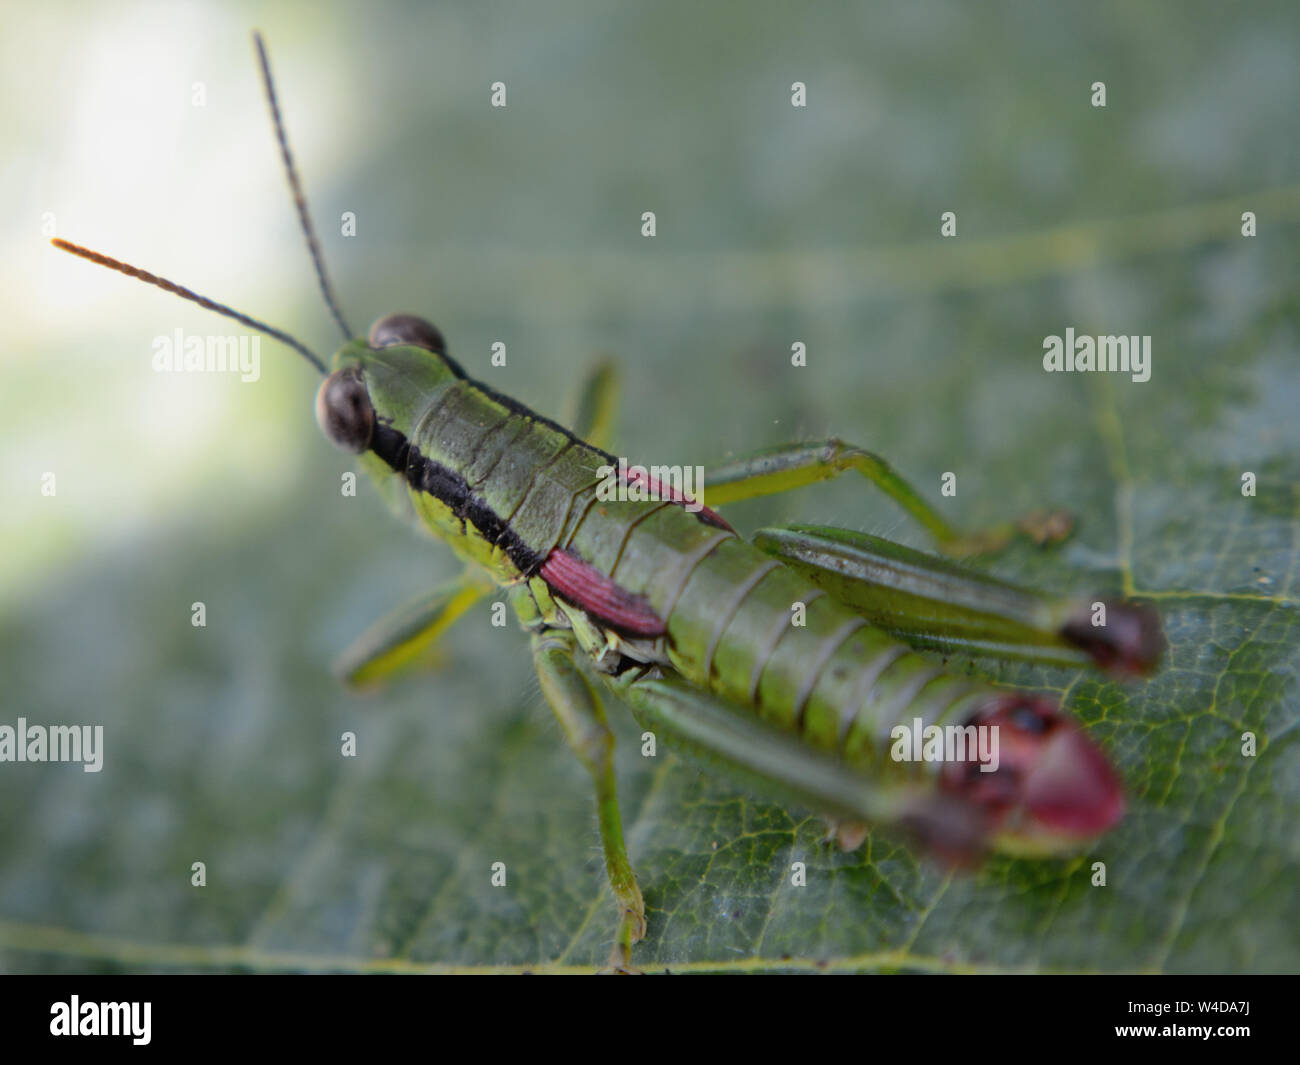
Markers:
(802, 660)
(750, 629)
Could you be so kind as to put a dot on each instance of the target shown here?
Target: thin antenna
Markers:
(296, 186)
(193, 297)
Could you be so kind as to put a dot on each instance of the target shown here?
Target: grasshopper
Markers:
(787, 661)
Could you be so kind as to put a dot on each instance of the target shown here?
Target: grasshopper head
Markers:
(382, 384)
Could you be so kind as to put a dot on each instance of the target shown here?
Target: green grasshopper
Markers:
(783, 661)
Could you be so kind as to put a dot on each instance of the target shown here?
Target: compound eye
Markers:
(344, 412)
(406, 329)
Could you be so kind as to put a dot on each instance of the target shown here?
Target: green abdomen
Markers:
(750, 629)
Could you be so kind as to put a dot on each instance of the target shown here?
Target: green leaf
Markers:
(222, 743)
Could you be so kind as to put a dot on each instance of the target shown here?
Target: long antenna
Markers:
(193, 297)
(295, 186)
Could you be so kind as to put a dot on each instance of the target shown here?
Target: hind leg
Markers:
(790, 466)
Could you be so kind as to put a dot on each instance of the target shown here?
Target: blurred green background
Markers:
(522, 225)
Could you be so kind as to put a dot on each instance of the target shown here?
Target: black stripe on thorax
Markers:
(426, 475)
(450, 488)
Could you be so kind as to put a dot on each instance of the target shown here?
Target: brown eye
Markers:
(343, 410)
(406, 329)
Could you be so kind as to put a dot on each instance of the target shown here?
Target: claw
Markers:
(620, 960)
(1046, 526)
(847, 835)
